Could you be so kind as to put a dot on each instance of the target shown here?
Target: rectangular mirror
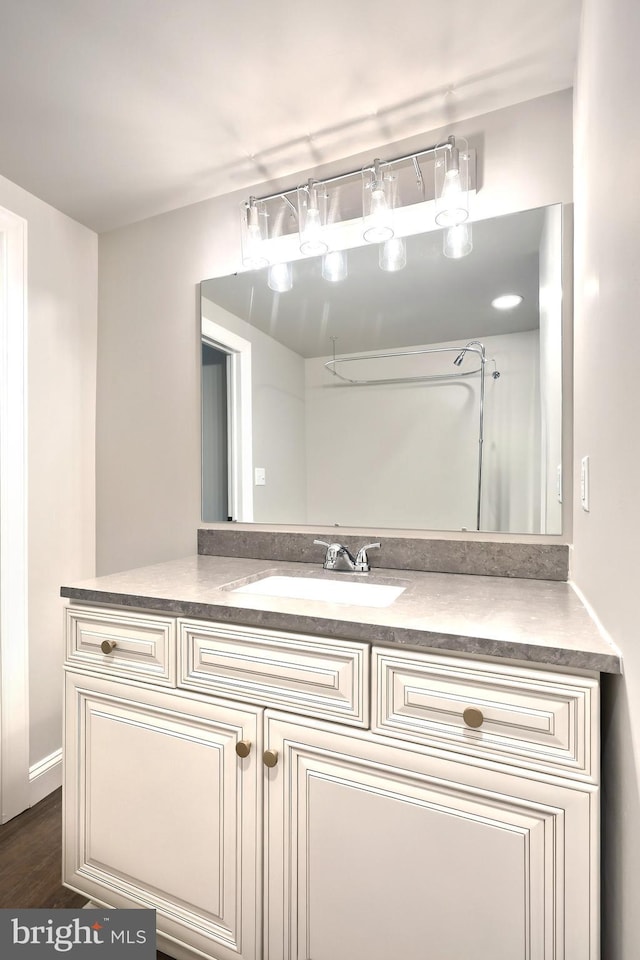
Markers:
(391, 398)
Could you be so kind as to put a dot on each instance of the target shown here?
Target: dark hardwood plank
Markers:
(31, 860)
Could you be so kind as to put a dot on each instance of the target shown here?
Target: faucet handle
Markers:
(362, 561)
(331, 555)
(337, 556)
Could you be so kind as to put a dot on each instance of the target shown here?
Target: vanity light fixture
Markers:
(280, 277)
(457, 241)
(382, 216)
(334, 266)
(507, 301)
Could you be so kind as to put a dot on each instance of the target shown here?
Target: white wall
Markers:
(607, 413)
(148, 438)
(62, 318)
(148, 402)
(419, 466)
(278, 415)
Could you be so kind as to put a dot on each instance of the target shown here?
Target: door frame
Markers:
(14, 653)
(240, 421)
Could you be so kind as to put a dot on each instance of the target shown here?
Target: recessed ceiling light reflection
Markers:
(507, 301)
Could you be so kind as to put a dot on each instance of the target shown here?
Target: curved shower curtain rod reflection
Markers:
(473, 346)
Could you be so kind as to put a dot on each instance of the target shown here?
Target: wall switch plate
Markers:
(260, 476)
(584, 483)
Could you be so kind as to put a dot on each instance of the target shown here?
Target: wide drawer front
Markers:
(115, 643)
(319, 677)
(538, 719)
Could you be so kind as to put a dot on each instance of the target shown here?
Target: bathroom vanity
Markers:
(312, 780)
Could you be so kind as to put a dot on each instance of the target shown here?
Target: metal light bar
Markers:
(448, 144)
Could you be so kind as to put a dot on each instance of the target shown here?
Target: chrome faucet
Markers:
(338, 557)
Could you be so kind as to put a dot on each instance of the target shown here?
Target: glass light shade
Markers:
(457, 241)
(312, 218)
(254, 233)
(334, 266)
(393, 254)
(280, 277)
(378, 196)
(451, 170)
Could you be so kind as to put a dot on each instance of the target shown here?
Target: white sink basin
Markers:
(329, 591)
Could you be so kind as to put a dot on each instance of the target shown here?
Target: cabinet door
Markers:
(161, 812)
(379, 852)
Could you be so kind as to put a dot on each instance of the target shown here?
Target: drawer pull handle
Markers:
(270, 758)
(243, 748)
(473, 717)
(108, 646)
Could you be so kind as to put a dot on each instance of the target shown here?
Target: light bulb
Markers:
(252, 218)
(453, 208)
(379, 203)
(253, 233)
(312, 219)
(452, 185)
(379, 229)
(377, 208)
(393, 255)
(280, 277)
(312, 242)
(252, 239)
(334, 266)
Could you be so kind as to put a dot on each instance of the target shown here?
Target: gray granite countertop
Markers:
(540, 621)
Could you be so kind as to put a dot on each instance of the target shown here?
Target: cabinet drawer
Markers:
(143, 646)
(320, 677)
(542, 720)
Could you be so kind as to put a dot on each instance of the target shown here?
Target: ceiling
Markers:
(116, 110)
(432, 300)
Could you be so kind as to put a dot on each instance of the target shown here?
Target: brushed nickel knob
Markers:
(108, 646)
(270, 758)
(473, 717)
(243, 748)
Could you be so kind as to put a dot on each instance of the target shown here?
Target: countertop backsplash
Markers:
(529, 561)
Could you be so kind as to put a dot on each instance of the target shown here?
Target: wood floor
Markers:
(31, 860)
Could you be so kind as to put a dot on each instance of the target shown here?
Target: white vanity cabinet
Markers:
(375, 851)
(161, 812)
(391, 804)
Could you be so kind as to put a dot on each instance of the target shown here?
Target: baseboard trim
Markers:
(45, 776)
